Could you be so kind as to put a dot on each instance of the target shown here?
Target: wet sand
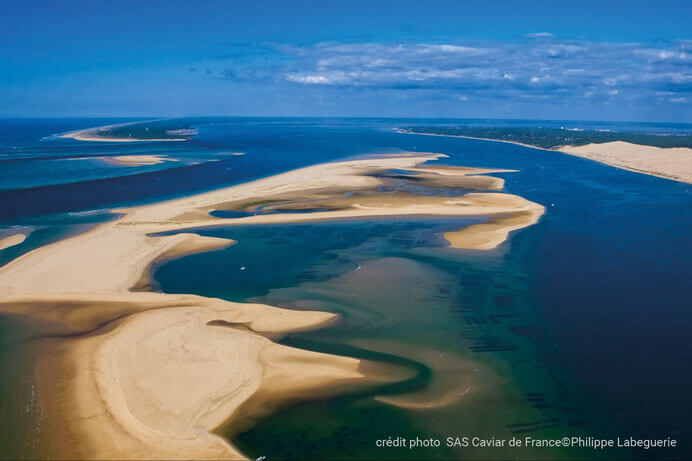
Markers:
(146, 374)
(138, 160)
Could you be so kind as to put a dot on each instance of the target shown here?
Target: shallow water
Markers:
(399, 291)
(21, 415)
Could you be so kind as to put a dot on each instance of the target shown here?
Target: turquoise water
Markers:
(463, 318)
(579, 325)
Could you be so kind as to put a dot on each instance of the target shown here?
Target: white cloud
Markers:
(525, 68)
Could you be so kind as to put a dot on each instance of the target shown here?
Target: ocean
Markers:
(578, 326)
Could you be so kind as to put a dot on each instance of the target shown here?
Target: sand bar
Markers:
(138, 160)
(12, 240)
(151, 375)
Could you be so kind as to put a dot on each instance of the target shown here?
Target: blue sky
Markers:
(604, 60)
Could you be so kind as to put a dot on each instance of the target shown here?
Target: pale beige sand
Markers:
(155, 384)
(671, 163)
(458, 177)
(138, 160)
(156, 373)
(179, 378)
(12, 240)
(486, 236)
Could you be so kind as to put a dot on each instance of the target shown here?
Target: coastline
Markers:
(673, 163)
(402, 131)
(93, 134)
(151, 378)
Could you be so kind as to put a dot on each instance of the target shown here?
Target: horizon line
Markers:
(335, 117)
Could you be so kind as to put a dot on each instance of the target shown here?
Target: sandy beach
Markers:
(151, 375)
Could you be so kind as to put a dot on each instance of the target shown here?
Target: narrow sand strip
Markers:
(12, 240)
(138, 160)
(487, 236)
(96, 134)
(153, 374)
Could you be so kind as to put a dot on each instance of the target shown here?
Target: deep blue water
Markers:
(606, 271)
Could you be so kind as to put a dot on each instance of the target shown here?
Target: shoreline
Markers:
(661, 162)
(153, 375)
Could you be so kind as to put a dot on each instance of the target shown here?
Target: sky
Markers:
(579, 60)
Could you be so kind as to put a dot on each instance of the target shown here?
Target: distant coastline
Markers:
(119, 133)
(405, 131)
(673, 163)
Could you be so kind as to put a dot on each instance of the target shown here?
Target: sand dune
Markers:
(671, 163)
(151, 375)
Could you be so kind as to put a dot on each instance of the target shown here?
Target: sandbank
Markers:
(151, 375)
(489, 235)
(12, 240)
(138, 160)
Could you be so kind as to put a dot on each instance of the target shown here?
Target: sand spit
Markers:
(151, 375)
(402, 131)
(11, 241)
(96, 134)
(138, 160)
(672, 163)
(486, 236)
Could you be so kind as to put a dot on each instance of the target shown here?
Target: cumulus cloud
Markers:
(526, 68)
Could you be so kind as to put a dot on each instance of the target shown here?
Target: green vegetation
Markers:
(153, 129)
(550, 138)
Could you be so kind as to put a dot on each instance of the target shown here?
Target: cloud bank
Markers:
(537, 67)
